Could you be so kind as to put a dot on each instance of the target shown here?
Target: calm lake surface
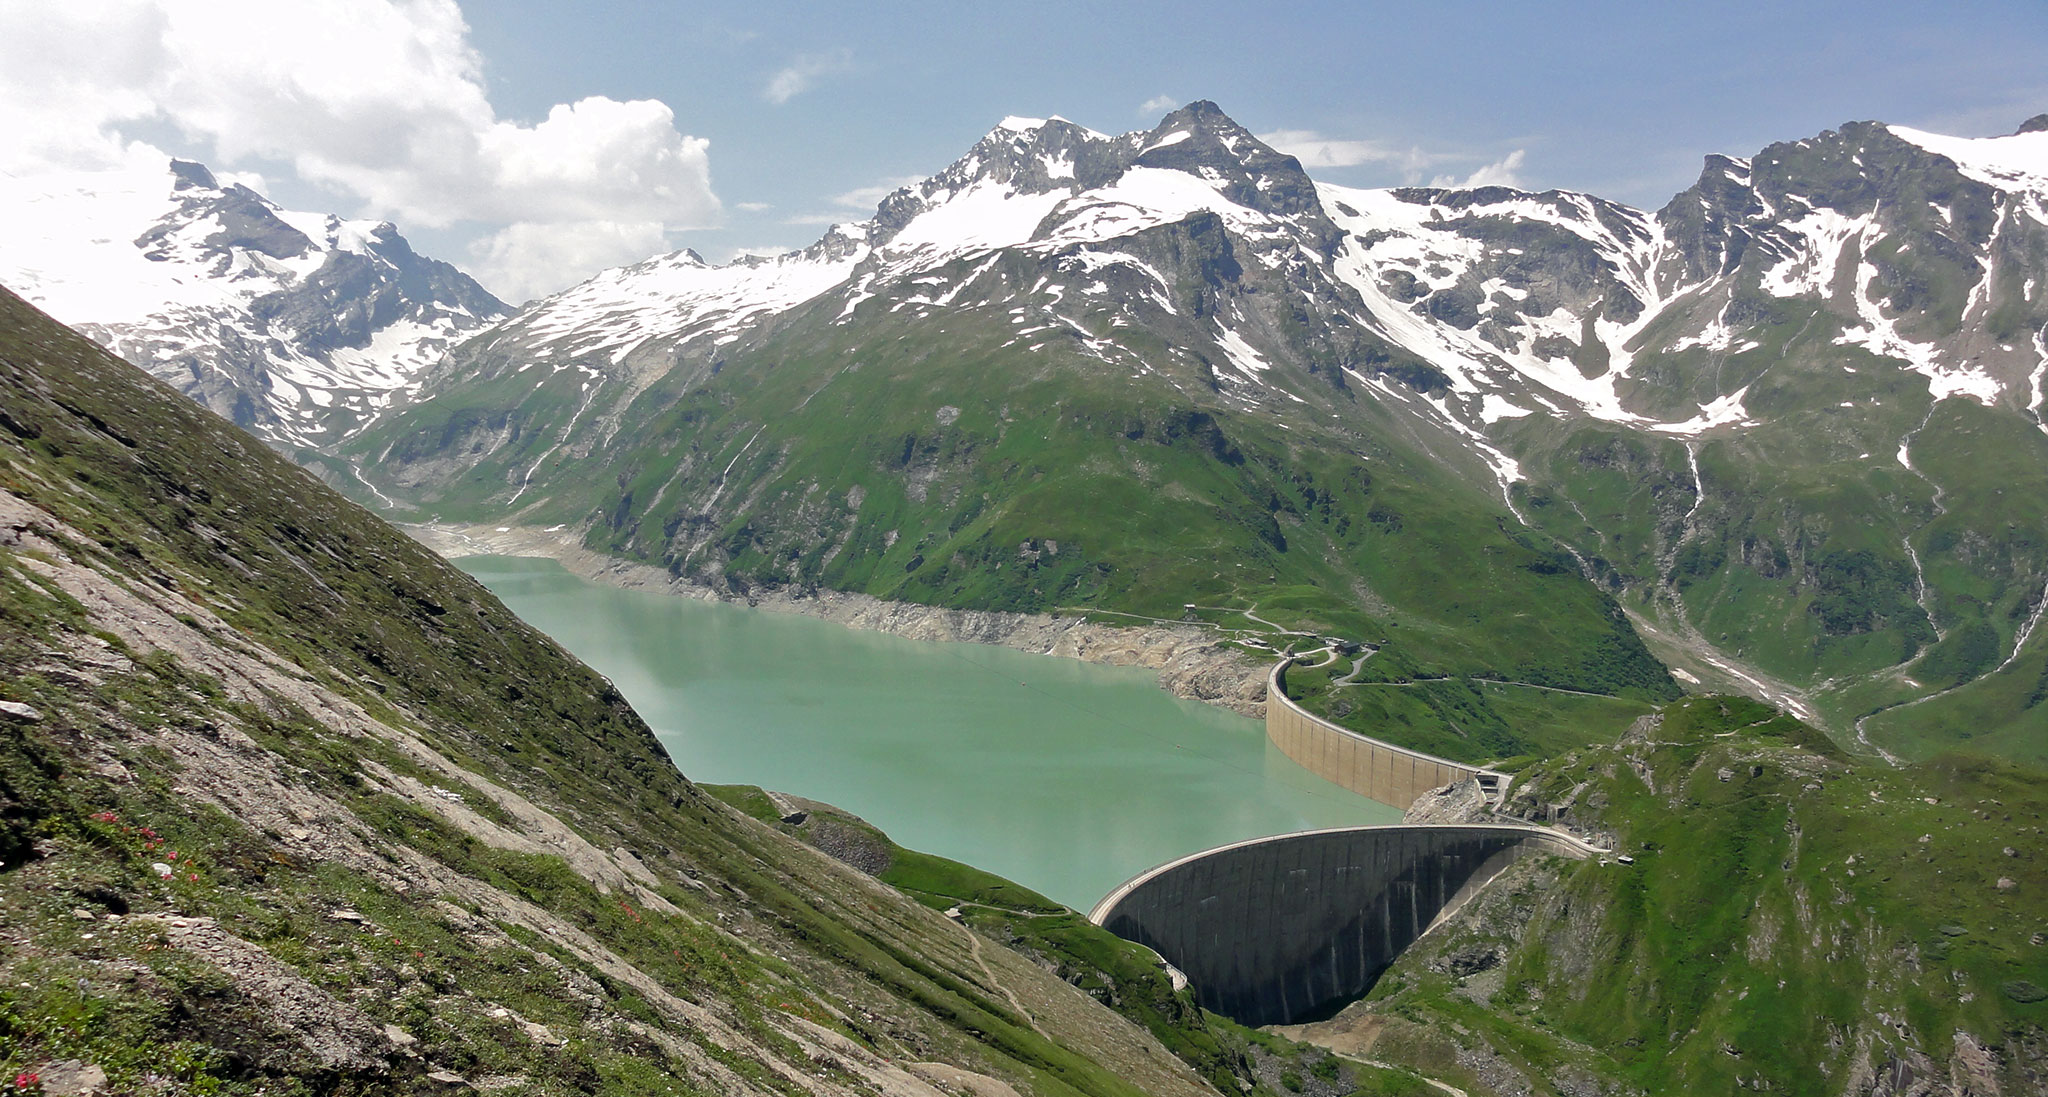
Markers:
(1064, 776)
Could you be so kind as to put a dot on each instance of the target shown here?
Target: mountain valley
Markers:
(289, 805)
(1078, 373)
(1715, 531)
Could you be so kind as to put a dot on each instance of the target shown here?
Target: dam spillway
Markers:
(1274, 930)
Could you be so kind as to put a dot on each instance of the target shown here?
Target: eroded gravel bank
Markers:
(1190, 661)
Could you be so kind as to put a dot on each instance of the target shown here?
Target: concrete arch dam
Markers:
(1276, 930)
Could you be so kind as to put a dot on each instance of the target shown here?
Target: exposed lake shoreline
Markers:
(1190, 661)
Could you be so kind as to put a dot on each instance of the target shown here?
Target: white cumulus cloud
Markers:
(1158, 104)
(803, 71)
(856, 204)
(765, 251)
(381, 100)
(1314, 150)
(529, 259)
(1504, 172)
(866, 199)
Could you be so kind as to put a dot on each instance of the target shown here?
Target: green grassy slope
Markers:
(1792, 922)
(1796, 553)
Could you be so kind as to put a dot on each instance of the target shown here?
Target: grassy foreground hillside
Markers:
(288, 805)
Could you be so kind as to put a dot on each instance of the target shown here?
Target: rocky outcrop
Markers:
(1463, 802)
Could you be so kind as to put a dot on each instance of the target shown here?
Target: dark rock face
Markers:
(1472, 961)
(245, 219)
(352, 295)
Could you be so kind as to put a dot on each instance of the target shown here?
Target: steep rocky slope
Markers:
(287, 804)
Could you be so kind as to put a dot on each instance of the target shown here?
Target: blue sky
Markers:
(1618, 98)
(807, 111)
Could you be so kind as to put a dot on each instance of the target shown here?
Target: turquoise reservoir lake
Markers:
(1064, 776)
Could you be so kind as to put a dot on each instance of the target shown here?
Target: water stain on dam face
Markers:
(1279, 930)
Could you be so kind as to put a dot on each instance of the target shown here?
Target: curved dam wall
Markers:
(1378, 771)
(1276, 930)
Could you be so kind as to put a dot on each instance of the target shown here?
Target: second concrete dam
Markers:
(1275, 930)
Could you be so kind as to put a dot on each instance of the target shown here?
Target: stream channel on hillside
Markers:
(1064, 776)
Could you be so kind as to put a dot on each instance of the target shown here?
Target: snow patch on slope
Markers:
(985, 215)
(1879, 334)
(1242, 355)
(1811, 269)
(2015, 163)
(1494, 408)
(1403, 234)
(681, 295)
(1144, 198)
(1725, 411)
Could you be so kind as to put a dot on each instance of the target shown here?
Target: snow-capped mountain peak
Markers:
(1038, 184)
(295, 324)
(1479, 307)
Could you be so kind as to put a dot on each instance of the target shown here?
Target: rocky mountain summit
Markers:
(295, 325)
(1048, 189)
